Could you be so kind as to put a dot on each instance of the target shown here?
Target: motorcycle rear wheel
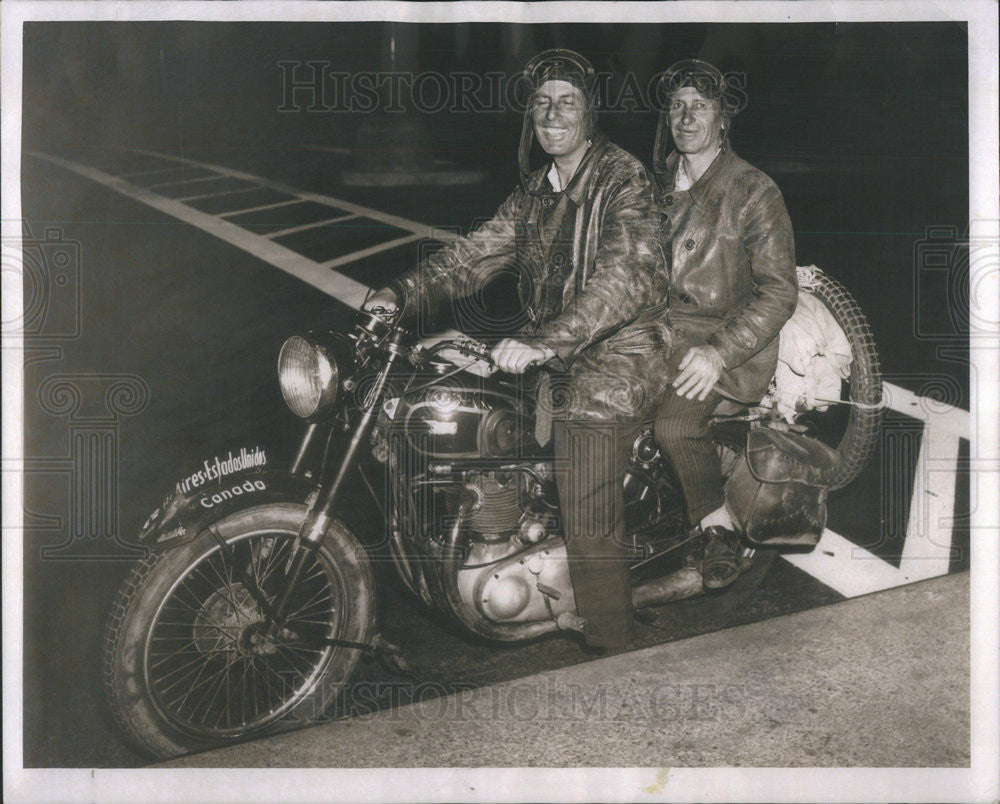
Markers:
(188, 662)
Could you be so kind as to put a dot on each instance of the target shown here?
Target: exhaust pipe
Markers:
(678, 585)
(683, 583)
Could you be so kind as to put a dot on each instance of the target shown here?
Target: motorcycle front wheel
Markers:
(190, 662)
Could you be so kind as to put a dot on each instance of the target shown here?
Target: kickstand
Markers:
(390, 657)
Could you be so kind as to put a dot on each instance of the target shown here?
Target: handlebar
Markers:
(466, 346)
(378, 321)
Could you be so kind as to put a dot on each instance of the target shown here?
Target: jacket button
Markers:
(668, 200)
(689, 244)
(685, 298)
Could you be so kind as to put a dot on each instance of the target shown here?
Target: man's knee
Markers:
(679, 424)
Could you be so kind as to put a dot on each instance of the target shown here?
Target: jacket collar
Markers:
(576, 190)
(702, 189)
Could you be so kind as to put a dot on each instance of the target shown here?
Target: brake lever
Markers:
(475, 349)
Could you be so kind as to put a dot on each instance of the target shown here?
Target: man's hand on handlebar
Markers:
(386, 299)
(516, 357)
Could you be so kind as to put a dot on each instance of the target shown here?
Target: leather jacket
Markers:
(731, 251)
(609, 332)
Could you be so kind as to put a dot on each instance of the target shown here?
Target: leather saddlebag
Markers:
(776, 491)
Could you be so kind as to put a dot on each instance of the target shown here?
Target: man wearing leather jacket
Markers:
(731, 256)
(581, 231)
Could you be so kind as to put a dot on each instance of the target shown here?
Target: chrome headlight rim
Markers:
(309, 376)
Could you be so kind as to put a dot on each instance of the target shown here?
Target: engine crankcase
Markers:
(528, 586)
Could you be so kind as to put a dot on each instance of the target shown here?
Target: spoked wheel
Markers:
(192, 661)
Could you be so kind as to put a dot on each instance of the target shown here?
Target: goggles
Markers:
(559, 64)
(701, 76)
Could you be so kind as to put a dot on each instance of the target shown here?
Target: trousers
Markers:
(591, 458)
(682, 431)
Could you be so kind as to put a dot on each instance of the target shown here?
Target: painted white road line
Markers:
(393, 220)
(901, 400)
(352, 293)
(179, 181)
(367, 252)
(217, 193)
(853, 570)
(847, 568)
(305, 226)
(260, 208)
(133, 173)
(927, 550)
(331, 282)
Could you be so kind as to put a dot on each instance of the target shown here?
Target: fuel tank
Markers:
(466, 417)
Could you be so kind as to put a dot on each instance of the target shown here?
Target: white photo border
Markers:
(684, 784)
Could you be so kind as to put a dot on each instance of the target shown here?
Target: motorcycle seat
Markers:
(730, 407)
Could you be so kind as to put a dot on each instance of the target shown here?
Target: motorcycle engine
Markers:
(496, 510)
(467, 449)
(516, 569)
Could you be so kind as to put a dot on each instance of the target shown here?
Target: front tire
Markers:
(188, 661)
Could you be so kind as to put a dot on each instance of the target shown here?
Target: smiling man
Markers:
(729, 242)
(581, 232)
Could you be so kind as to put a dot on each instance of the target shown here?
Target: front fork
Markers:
(320, 513)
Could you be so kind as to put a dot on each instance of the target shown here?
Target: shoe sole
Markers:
(716, 585)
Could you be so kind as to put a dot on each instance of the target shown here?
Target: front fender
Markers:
(181, 517)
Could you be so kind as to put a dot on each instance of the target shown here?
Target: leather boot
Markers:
(724, 560)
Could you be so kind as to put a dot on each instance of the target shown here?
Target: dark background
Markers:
(861, 90)
(863, 126)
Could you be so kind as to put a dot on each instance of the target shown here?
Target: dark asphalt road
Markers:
(201, 322)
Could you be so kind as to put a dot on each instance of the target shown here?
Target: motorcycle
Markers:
(256, 602)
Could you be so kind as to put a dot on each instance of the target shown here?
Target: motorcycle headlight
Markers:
(309, 377)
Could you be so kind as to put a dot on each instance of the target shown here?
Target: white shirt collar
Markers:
(553, 177)
(682, 181)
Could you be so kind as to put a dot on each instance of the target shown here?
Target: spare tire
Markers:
(863, 386)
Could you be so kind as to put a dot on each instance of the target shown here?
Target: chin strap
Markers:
(524, 148)
(661, 144)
